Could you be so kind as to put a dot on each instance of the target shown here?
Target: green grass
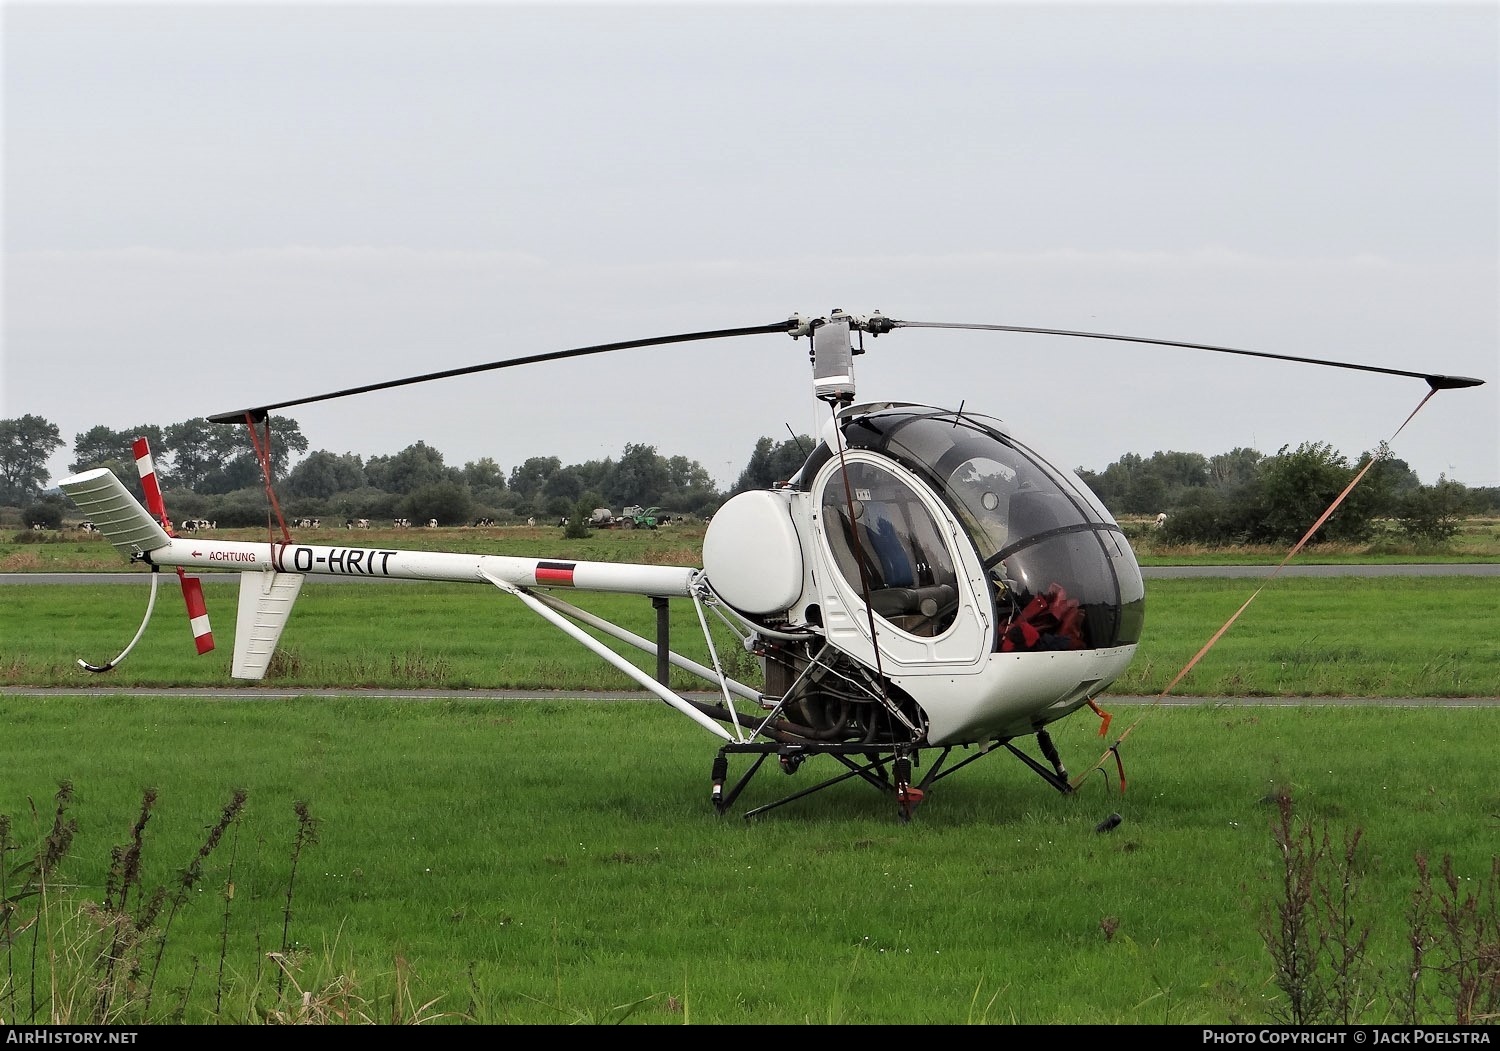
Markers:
(1348, 636)
(510, 862)
(544, 862)
(1306, 636)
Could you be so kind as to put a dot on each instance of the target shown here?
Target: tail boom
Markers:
(140, 538)
(271, 574)
(365, 563)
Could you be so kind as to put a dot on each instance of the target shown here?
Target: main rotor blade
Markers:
(1435, 381)
(260, 412)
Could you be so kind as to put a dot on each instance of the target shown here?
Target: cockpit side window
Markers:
(886, 543)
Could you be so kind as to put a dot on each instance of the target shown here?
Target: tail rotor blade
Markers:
(145, 466)
(192, 587)
(192, 593)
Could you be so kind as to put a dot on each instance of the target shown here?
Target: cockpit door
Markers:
(883, 534)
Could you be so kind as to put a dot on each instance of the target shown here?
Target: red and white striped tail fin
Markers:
(145, 466)
(197, 609)
(192, 587)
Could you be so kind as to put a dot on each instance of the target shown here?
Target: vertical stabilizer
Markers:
(265, 604)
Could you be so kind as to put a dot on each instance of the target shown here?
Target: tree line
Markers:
(208, 471)
(1246, 497)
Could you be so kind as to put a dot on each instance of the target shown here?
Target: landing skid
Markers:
(886, 769)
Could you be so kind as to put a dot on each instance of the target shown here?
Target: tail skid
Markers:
(150, 605)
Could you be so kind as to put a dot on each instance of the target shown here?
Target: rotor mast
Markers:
(832, 352)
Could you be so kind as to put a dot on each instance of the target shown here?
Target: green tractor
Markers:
(637, 517)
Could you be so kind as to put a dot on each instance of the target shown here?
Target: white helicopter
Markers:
(928, 581)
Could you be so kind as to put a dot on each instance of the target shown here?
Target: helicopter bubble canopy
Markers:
(1035, 527)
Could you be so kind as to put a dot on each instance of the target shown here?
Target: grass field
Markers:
(540, 862)
(456, 861)
(1341, 636)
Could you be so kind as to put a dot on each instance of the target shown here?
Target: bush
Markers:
(576, 527)
(47, 513)
(1433, 512)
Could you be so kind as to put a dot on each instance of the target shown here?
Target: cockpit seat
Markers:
(891, 603)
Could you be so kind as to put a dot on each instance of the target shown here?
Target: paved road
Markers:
(1433, 569)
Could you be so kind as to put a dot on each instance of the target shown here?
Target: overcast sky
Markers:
(208, 207)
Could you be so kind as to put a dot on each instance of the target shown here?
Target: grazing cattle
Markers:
(192, 525)
(402, 523)
(1161, 520)
(308, 523)
(484, 521)
(88, 527)
(432, 523)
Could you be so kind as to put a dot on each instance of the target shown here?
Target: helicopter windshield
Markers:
(1062, 573)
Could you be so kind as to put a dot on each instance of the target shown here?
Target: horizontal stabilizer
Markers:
(265, 604)
(114, 512)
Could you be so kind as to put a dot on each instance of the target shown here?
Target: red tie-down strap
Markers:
(1105, 718)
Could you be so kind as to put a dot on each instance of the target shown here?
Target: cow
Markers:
(1161, 520)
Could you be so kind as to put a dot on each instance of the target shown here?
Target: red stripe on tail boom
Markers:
(555, 573)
